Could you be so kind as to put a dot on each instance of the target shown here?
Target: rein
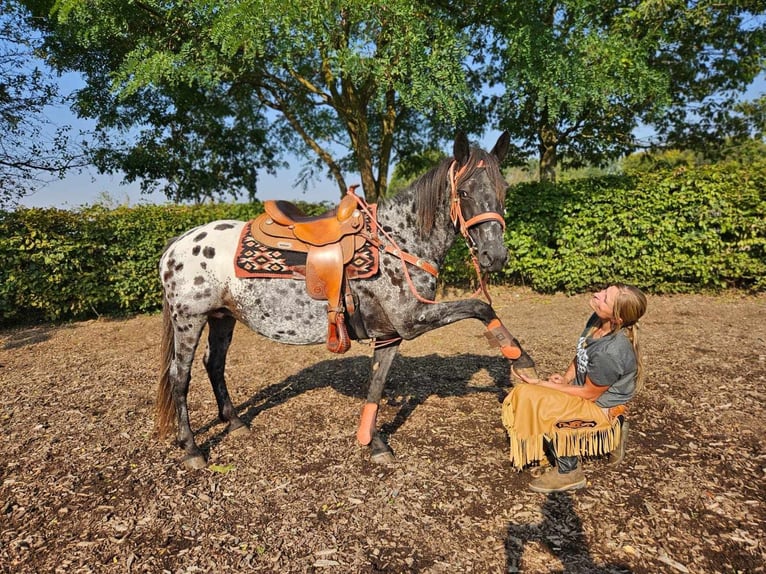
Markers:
(393, 248)
(457, 218)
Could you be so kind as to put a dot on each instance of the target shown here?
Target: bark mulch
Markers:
(86, 487)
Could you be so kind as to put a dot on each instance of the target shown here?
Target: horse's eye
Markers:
(463, 194)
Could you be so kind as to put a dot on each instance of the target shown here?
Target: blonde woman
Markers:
(579, 413)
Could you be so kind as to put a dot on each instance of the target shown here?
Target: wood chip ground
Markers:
(86, 487)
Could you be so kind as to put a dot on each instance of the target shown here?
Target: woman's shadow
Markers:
(414, 378)
(561, 533)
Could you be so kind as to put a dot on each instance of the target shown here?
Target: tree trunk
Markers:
(361, 144)
(549, 141)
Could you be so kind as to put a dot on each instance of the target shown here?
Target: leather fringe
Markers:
(567, 442)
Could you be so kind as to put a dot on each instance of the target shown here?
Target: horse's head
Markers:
(478, 200)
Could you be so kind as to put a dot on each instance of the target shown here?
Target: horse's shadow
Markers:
(414, 378)
(561, 533)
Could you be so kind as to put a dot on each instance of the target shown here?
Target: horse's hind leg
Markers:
(368, 434)
(221, 330)
(186, 339)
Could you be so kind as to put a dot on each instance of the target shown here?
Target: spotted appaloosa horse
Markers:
(465, 193)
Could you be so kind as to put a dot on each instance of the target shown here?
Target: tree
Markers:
(575, 77)
(710, 51)
(411, 167)
(219, 90)
(31, 150)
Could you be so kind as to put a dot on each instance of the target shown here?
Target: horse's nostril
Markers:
(493, 260)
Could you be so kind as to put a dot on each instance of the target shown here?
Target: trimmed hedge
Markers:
(62, 265)
(671, 231)
(668, 232)
(95, 261)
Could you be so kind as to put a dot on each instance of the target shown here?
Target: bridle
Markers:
(458, 220)
(456, 210)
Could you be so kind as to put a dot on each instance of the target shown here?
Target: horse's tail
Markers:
(165, 411)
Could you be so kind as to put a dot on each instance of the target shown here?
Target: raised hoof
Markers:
(238, 431)
(385, 457)
(194, 461)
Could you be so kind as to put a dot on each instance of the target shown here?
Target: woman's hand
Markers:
(557, 379)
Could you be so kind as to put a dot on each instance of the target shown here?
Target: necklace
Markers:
(599, 332)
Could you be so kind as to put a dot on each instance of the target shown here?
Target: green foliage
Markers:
(682, 230)
(668, 231)
(72, 265)
(576, 79)
(197, 97)
(457, 268)
(32, 148)
(648, 162)
(578, 75)
(710, 51)
(734, 150)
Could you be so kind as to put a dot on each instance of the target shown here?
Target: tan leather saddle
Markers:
(329, 241)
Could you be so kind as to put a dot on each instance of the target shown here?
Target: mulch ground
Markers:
(86, 487)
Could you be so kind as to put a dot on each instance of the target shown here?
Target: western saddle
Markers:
(329, 241)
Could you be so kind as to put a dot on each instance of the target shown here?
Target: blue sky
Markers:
(89, 187)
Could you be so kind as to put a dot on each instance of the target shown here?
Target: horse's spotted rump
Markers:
(202, 295)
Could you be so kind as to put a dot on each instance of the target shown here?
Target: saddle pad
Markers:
(255, 260)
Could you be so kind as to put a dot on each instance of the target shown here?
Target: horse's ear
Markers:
(501, 147)
(461, 150)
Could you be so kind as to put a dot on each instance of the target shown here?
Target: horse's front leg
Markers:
(368, 434)
(429, 317)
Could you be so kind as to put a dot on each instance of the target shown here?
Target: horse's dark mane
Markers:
(432, 188)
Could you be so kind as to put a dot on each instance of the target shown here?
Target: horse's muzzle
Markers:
(493, 258)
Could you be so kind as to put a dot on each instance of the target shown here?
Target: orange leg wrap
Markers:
(367, 424)
(497, 333)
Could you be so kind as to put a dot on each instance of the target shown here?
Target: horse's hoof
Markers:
(380, 452)
(383, 457)
(239, 431)
(194, 461)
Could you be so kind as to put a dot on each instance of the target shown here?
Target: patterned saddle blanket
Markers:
(254, 259)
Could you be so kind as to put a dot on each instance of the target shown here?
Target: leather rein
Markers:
(458, 220)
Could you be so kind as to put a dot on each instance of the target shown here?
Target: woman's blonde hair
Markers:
(629, 307)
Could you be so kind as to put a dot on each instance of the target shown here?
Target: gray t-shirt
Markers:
(609, 361)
